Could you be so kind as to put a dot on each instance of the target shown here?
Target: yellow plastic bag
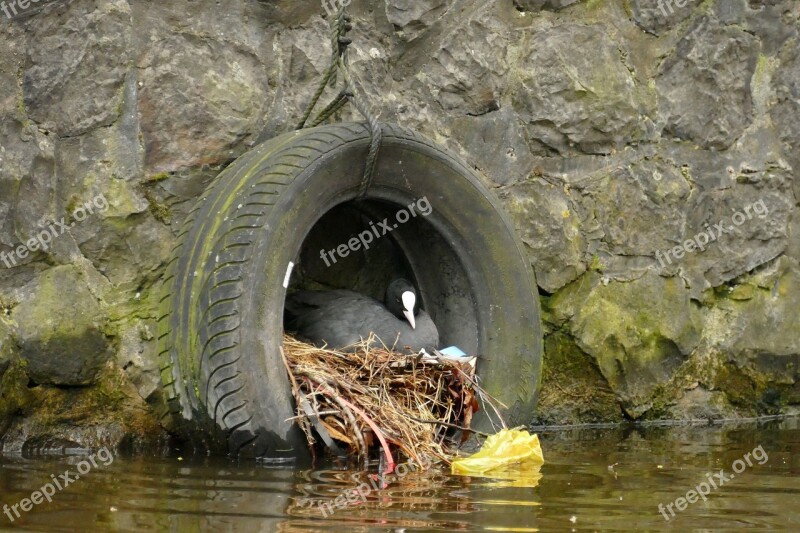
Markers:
(508, 447)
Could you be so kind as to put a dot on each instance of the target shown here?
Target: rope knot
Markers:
(340, 26)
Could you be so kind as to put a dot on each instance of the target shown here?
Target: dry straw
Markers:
(368, 396)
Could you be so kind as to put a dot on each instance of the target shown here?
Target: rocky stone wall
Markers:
(615, 131)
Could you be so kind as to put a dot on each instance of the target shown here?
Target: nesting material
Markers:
(371, 398)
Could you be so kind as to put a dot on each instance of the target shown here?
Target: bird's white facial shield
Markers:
(409, 301)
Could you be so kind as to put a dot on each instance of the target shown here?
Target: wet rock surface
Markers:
(639, 333)
(60, 327)
(573, 101)
(45, 419)
(611, 135)
(413, 18)
(705, 85)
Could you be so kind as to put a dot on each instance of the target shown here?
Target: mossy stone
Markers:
(61, 329)
(639, 333)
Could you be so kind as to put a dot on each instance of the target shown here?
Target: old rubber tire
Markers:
(220, 319)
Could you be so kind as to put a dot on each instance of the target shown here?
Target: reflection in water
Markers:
(593, 479)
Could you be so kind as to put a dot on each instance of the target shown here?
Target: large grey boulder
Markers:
(763, 341)
(704, 86)
(223, 96)
(639, 333)
(61, 329)
(413, 17)
(203, 89)
(73, 85)
(468, 75)
(570, 100)
(549, 229)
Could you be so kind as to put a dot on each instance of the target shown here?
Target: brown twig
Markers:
(304, 424)
(392, 390)
(362, 445)
(452, 426)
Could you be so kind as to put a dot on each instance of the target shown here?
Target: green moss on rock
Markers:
(109, 413)
(60, 329)
(639, 333)
(573, 389)
(161, 176)
(159, 210)
(14, 393)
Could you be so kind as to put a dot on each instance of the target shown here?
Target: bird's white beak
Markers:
(410, 317)
(409, 300)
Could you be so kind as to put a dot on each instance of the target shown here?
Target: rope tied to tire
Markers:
(340, 25)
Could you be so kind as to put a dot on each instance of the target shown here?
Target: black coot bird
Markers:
(341, 318)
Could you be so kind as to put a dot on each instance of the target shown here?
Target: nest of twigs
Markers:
(358, 401)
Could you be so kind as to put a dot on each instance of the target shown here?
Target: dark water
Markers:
(594, 479)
